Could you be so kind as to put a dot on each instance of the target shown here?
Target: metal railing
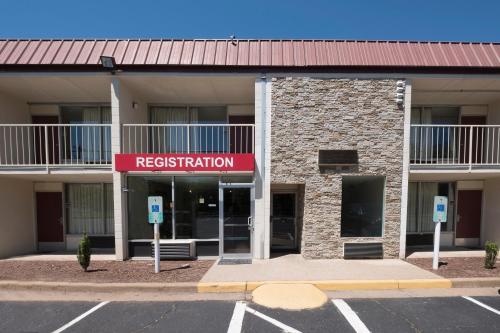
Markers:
(188, 138)
(34, 145)
(455, 145)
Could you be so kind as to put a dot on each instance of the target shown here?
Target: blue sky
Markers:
(448, 20)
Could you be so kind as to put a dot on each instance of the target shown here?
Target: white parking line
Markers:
(351, 316)
(80, 317)
(279, 324)
(241, 307)
(481, 304)
(237, 318)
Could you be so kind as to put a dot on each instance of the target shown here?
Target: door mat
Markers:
(235, 261)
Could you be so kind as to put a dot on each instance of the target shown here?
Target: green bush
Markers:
(491, 254)
(84, 252)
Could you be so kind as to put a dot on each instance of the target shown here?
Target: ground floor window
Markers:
(190, 205)
(362, 206)
(89, 208)
(421, 204)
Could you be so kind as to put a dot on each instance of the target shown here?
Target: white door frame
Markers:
(222, 187)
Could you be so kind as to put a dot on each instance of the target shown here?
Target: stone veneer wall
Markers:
(309, 114)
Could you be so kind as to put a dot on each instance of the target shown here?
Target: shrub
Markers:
(491, 254)
(84, 252)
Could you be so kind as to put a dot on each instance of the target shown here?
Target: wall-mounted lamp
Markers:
(135, 105)
(400, 92)
(108, 63)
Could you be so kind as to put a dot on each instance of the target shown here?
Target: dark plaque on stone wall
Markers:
(337, 158)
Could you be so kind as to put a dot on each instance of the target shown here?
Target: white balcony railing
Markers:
(188, 138)
(470, 146)
(33, 145)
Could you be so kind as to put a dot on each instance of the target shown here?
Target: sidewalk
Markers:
(333, 274)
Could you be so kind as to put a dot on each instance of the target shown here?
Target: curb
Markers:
(475, 282)
(180, 287)
(331, 285)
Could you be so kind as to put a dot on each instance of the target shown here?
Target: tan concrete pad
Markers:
(289, 296)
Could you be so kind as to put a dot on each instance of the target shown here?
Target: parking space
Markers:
(425, 314)
(200, 316)
(439, 314)
(39, 316)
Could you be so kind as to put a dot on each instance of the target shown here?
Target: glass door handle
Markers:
(250, 224)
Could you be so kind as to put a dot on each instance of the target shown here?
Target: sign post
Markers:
(155, 217)
(440, 215)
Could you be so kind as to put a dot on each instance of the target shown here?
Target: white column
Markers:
(406, 170)
(261, 233)
(121, 243)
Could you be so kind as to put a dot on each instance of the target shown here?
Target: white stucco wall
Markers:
(13, 110)
(17, 225)
(122, 112)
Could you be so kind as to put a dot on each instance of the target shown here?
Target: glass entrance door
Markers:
(236, 233)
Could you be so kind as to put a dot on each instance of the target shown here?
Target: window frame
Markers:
(67, 206)
(383, 214)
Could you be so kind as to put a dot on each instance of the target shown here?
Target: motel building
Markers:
(327, 148)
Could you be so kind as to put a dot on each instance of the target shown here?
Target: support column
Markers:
(406, 169)
(120, 223)
(261, 233)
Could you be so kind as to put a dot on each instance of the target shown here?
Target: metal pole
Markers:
(157, 247)
(437, 236)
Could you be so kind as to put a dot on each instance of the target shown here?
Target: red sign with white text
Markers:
(184, 162)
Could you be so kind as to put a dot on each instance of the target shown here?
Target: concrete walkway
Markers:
(448, 254)
(295, 268)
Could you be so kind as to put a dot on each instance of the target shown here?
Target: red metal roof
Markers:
(252, 53)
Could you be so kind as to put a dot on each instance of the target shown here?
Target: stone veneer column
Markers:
(309, 114)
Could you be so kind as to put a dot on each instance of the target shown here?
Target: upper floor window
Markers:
(81, 142)
(86, 115)
(188, 115)
(435, 115)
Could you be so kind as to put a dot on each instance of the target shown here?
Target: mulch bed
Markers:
(458, 267)
(103, 271)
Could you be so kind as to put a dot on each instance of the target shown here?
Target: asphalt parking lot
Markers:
(440, 314)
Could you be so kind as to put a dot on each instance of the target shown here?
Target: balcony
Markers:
(188, 138)
(31, 146)
(455, 147)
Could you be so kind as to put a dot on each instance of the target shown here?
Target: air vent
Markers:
(175, 249)
(334, 158)
(363, 251)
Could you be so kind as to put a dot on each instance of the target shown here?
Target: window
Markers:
(139, 188)
(197, 207)
(362, 206)
(421, 205)
(430, 143)
(89, 208)
(180, 139)
(196, 203)
(87, 144)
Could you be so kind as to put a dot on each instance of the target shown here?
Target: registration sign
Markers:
(185, 162)
(440, 209)
(155, 209)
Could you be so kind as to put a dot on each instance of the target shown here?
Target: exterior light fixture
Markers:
(400, 92)
(108, 63)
